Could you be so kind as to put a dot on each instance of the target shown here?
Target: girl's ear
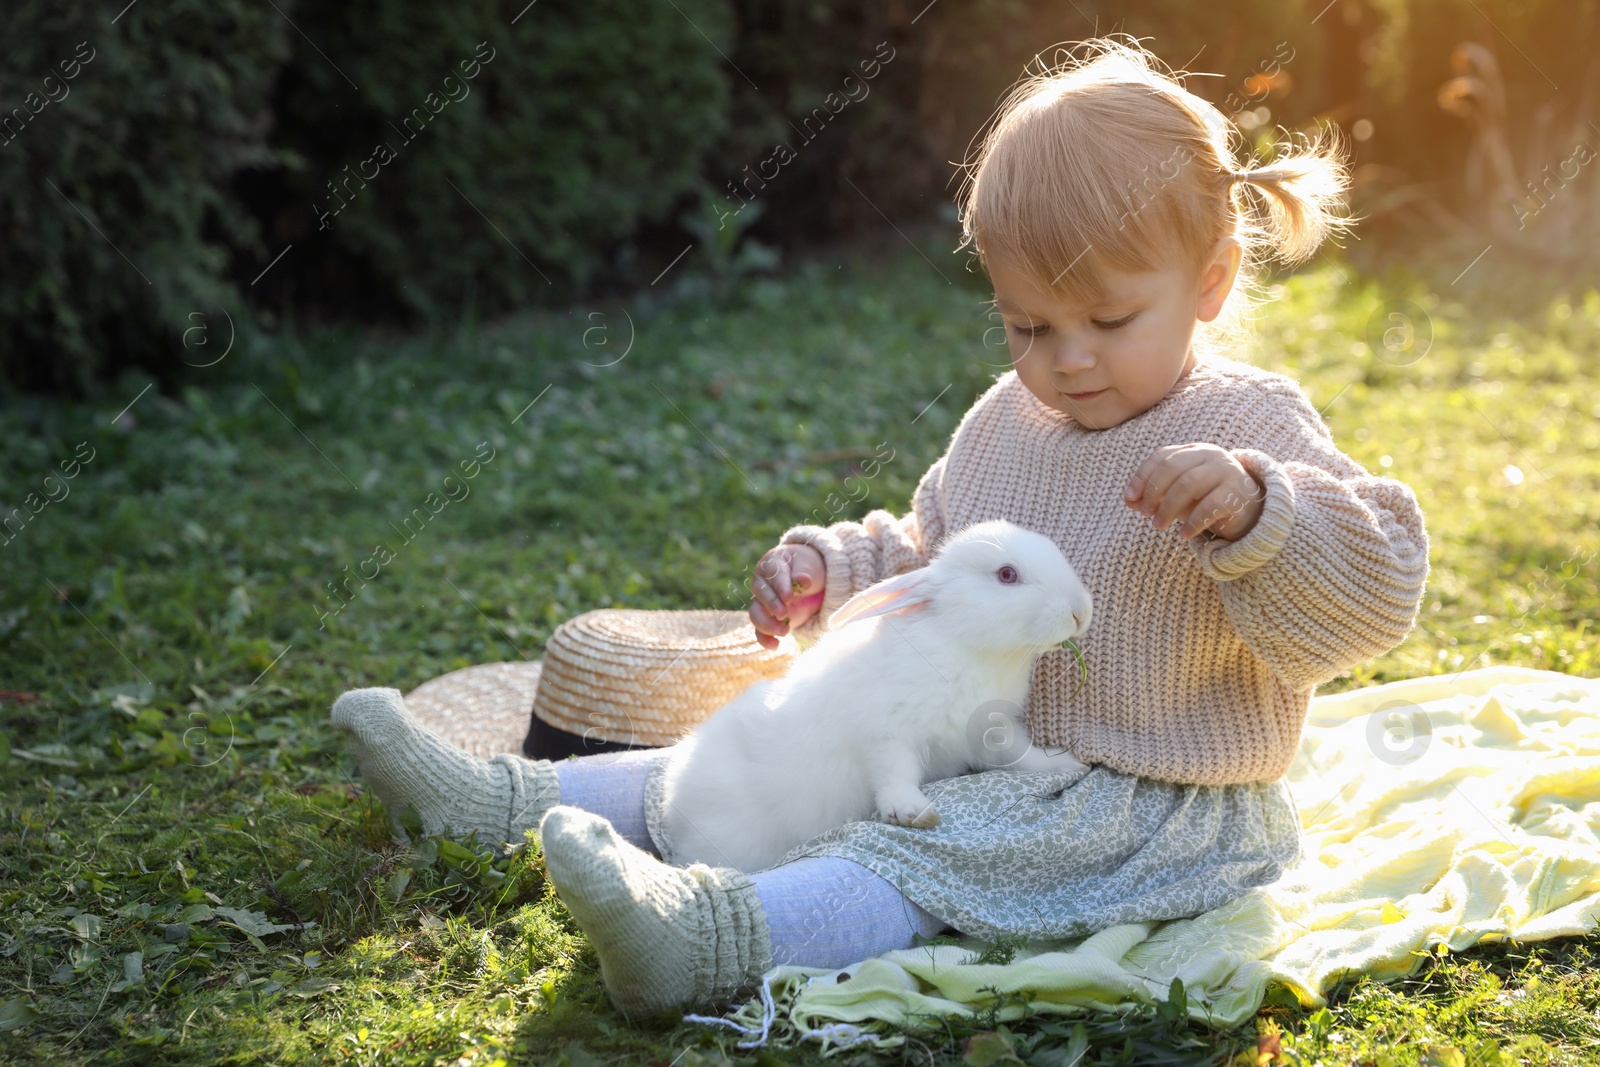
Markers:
(900, 595)
(1216, 280)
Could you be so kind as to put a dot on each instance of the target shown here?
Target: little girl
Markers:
(1236, 557)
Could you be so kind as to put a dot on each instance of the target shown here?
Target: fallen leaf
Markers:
(254, 922)
(17, 1013)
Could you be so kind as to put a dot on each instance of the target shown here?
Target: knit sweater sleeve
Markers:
(861, 554)
(1332, 574)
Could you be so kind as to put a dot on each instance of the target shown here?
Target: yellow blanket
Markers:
(1450, 809)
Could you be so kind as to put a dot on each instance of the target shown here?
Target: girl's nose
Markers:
(1071, 356)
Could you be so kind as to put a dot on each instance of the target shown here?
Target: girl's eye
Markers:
(1007, 574)
(1114, 324)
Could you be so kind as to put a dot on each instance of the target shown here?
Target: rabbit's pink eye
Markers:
(1008, 574)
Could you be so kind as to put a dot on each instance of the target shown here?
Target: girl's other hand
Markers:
(786, 590)
(1200, 487)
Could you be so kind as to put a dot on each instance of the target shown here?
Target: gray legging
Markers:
(822, 911)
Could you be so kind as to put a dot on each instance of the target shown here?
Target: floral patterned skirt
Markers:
(1064, 854)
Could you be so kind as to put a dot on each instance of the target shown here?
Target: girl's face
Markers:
(1126, 352)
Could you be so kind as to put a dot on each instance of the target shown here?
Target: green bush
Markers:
(579, 124)
(116, 140)
(837, 85)
(195, 142)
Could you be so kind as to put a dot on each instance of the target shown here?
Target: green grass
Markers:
(174, 759)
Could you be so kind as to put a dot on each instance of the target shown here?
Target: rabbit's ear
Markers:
(893, 596)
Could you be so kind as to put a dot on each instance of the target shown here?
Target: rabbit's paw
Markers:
(909, 809)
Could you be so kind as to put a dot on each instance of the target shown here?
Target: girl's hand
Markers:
(786, 590)
(1200, 485)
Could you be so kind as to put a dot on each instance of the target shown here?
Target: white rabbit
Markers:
(931, 689)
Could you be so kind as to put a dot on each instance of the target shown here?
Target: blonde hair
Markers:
(1106, 160)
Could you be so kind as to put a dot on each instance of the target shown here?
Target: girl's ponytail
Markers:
(1296, 198)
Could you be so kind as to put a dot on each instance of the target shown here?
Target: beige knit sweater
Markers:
(1203, 654)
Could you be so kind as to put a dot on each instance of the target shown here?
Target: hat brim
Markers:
(482, 709)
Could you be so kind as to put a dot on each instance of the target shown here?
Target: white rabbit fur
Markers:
(910, 684)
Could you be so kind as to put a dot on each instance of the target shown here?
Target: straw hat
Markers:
(621, 675)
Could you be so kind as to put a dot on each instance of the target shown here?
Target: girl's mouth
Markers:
(1083, 396)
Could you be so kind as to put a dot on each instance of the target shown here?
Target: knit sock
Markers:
(827, 911)
(667, 937)
(452, 791)
(611, 785)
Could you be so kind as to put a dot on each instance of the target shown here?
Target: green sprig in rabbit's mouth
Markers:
(1083, 664)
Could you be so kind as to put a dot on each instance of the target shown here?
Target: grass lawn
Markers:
(189, 873)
